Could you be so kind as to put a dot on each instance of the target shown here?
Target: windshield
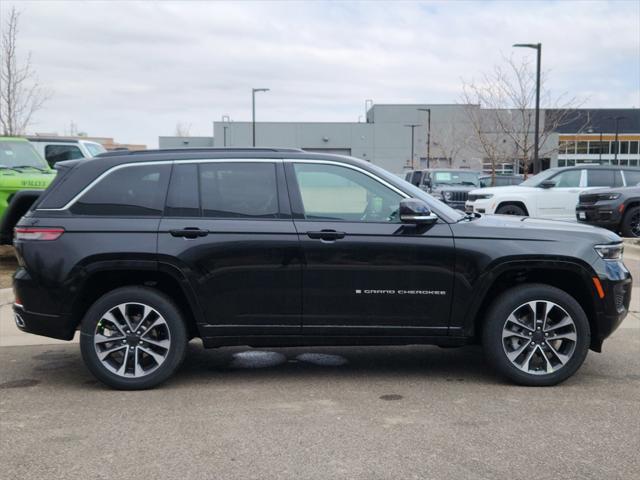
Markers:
(540, 177)
(20, 154)
(454, 178)
(94, 148)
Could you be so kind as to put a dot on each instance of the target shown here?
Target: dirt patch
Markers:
(8, 265)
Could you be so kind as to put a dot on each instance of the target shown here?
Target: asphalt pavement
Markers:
(319, 413)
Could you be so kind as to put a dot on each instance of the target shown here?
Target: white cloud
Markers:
(132, 70)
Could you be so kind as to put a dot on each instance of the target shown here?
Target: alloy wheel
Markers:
(539, 337)
(634, 224)
(132, 340)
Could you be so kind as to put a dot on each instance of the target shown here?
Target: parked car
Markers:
(500, 180)
(450, 185)
(617, 209)
(551, 194)
(414, 177)
(21, 168)
(56, 149)
(266, 247)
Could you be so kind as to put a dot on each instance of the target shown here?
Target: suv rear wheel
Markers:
(133, 338)
(536, 335)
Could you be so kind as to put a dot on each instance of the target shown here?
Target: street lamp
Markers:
(412, 126)
(617, 119)
(253, 110)
(428, 110)
(536, 147)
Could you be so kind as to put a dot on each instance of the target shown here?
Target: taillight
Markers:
(37, 233)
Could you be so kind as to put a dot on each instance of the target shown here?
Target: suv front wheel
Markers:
(133, 338)
(536, 335)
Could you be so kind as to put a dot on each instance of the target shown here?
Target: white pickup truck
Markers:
(551, 194)
(57, 149)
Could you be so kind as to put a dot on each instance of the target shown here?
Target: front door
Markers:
(364, 272)
(228, 226)
(559, 202)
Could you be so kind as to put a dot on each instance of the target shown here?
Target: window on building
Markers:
(562, 163)
(633, 163)
(330, 192)
(571, 163)
(134, 191)
(239, 190)
(633, 147)
(624, 147)
(562, 146)
(582, 147)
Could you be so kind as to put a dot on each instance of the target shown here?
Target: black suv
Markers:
(144, 251)
(617, 209)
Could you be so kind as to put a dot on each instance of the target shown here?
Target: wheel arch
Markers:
(570, 276)
(103, 278)
(518, 203)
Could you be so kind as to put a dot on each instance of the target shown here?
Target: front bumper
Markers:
(479, 206)
(601, 214)
(614, 307)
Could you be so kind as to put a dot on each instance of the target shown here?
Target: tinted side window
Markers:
(632, 177)
(58, 153)
(136, 191)
(183, 197)
(338, 193)
(600, 178)
(239, 190)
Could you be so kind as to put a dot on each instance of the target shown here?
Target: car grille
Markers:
(458, 196)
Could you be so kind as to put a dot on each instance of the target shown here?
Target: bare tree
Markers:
(506, 97)
(21, 96)
(183, 129)
(448, 140)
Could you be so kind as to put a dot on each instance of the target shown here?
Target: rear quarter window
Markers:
(129, 191)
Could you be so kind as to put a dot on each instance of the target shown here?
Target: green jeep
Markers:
(21, 168)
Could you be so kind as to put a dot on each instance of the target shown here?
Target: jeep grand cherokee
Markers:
(143, 251)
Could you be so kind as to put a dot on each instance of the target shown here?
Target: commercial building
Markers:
(398, 137)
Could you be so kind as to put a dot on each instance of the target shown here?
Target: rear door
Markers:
(227, 227)
(365, 273)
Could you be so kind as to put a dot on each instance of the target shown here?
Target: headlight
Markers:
(447, 195)
(608, 196)
(480, 196)
(610, 252)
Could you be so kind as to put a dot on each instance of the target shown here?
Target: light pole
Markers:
(536, 147)
(428, 110)
(412, 126)
(617, 145)
(253, 110)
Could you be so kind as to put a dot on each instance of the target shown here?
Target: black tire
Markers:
(495, 346)
(511, 209)
(173, 323)
(631, 223)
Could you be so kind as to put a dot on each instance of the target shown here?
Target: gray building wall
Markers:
(385, 139)
(185, 142)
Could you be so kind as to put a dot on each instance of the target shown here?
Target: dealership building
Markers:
(398, 137)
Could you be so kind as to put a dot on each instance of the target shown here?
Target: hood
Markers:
(507, 189)
(10, 180)
(527, 228)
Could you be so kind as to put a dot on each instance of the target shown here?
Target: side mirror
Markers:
(547, 184)
(417, 212)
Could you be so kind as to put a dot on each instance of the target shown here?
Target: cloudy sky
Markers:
(132, 70)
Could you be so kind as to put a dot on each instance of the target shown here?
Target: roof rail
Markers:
(116, 153)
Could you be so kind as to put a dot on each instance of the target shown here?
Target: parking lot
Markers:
(373, 412)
